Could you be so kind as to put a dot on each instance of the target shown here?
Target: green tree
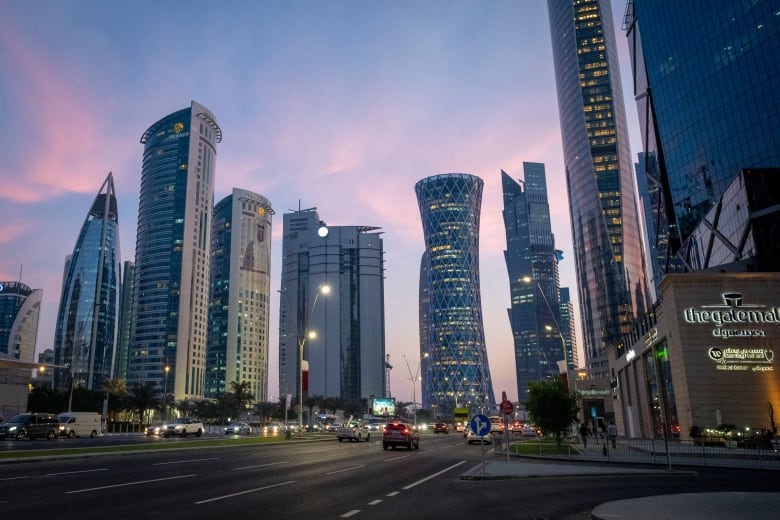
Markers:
(551, 407)
(242, 395)
(141, 398)
(115, 391)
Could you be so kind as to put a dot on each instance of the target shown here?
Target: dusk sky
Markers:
(338, 105)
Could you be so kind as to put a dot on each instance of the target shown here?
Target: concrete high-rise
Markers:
(171, 286)
(532, 265)
(240, 299)
(331, 317)
(86, 328)
(455, 371)
(707, 85)
(603, 202)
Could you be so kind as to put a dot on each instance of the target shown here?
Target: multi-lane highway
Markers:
(314, 480)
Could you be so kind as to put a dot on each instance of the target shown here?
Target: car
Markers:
(238, 428)
(441, 427)
(397, 433)
(460, 428)
(529, 431)
(155, 429)
(473, 438)
(184, 426)
(353, 431)
(30, 426)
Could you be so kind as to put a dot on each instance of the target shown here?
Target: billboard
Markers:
(383, 406)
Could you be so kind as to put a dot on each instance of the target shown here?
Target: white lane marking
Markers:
(429, 477)
(128, 484)
(350, 513)
(183, 461)
(74, 472)
(261, 465)
(396, 458)
(223, 497)
(375, 502)
(393, 493)
(12, 478)
(347, 469)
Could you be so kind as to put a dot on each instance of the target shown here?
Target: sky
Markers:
(339, 105)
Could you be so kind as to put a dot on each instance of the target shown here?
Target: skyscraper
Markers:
(707, 85)
(605, 227)
(19, 310)
(125, 319)
(532, 265)
(240, 299)
(170, 304)
(331, 318)
(86, 328)
(455, 371)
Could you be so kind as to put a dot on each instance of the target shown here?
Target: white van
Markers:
(79, 424)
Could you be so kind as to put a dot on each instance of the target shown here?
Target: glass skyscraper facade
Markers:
(240, 300)
(455, 370)
(707, 84)
(19, 310)
(173, 247)
(532, 265)
(86, 329)
(342, 330)
(600, 181)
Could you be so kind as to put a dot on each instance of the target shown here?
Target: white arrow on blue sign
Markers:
(480, 425)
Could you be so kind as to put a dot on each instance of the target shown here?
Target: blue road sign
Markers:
(480, 425)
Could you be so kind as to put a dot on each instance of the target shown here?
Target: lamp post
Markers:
(165, 394)
(325, 290)
(549, 328)
(414, 378)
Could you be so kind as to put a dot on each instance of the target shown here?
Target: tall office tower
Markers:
(331, 317)
(649, 190)
(173, 247)
(19, 310)
(239, 306)
(707, 84)
(455, 371)
(605, 226)
(125, 319)
(86, 328)
(567, 327)
(532, 266)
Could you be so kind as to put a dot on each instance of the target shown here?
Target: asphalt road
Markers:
(322, 480)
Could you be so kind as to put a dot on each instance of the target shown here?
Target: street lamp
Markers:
(165, 394)
(414, 378)
(549, 328)
(325, 290)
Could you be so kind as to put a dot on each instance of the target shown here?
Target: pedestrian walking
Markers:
(584, 435)
(612, 433)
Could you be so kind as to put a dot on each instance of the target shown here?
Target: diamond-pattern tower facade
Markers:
(455, 370)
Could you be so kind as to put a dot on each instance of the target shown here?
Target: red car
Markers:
(441, 427)
(400, 434)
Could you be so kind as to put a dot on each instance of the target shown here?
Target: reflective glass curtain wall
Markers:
(86, 328)
(707, 83)
(455, 372)
(600, 181)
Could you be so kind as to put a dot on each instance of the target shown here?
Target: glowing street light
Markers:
(324, 290)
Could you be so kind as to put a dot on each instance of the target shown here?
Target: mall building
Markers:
(708, 359)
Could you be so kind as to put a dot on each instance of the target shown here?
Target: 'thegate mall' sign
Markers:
(734, 320)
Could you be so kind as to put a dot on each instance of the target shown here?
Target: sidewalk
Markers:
(713, 506)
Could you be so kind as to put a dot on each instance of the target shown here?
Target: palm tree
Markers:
(141, 398)
(242, 395)
(116, 388)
